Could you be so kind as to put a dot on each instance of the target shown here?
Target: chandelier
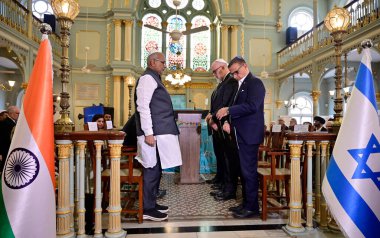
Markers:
(176, 74)
(5, 88)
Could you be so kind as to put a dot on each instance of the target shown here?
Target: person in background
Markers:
(292, 123)
(311, 128)
(281, 122)
(329, 125)
(318, 124)
(3, 115)
(108, 117)
(99, 119)
(157, 134)
(247, 120)
(6, 128)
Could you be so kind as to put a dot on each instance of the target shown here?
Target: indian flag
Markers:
(27, 198)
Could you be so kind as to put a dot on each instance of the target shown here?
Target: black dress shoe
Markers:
(243, 213)
(216, 192)
(212, 181)
(224, 197)
(237, 208)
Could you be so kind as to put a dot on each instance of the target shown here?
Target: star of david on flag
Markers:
(351, 185)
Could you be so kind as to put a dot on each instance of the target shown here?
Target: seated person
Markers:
(99, 119)
(108, 117)
(129, 128)
(281, 122)
(329, 125)
(292, 123)
(318, 124)
(311, 128)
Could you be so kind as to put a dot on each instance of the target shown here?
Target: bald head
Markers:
(13, 112)
(219, 68)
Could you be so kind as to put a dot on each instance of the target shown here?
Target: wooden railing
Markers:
(15, 16)
(72, 149)
(361, 15)
(323, 142)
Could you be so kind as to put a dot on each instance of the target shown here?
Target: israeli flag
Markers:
(351, 186)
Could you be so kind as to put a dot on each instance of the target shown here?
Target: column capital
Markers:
(315, 94)
(117, 22)
(115, 150)
(234, 27)
(212, 26)
(224, 27)
(64, 151)
(279, 104)
(140, 23)
(128, 22)
(164, 24)
(188, 25)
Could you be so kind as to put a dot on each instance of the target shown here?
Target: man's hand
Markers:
(227, 128)
(150, 140)
(214, 126)
(208, 118)
(222, 113)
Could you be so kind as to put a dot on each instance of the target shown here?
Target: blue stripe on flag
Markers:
(351, 201)
(364, 82)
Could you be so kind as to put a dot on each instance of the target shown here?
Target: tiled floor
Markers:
(195, 214)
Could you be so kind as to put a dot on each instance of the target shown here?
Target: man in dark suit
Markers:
(6, 127)
(247, 119)
(224, 148)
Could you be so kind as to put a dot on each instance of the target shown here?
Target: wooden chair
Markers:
(131, 182)
(275, 174)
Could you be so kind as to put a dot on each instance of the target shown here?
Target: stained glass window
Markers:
(198, 4)
(182, 5)
(176, 53)
(151, 40)
(200, 45)
(39, 7)
(155, 3)
(302, 18)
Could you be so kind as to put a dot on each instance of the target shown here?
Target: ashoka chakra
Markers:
(21, 168)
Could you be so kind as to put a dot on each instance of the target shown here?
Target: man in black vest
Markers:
(6, 127)
(157, 133)
(224, 144)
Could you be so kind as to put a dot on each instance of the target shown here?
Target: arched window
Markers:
(302, 18)
(200, 45)
(195, 13)
(39, 7)
(302, 111)
(151, 39)
(176, 53)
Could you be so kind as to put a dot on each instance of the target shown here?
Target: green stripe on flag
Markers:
(5, 226)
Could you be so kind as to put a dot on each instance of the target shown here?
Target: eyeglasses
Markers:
(162, 61)
(216, 70)
(237, 71)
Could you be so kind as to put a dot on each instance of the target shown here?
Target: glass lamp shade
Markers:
(11, 83)
(65, 8)
(337, 19)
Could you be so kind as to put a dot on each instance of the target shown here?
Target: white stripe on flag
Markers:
(36, 200)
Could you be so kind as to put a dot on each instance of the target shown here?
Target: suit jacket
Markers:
(247, 111)
(6, 127)
(223, 96)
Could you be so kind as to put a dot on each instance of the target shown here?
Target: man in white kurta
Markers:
(157, 133)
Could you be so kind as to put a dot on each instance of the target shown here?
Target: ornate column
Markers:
(315, 20)
(317, 181)
(116, 99)
(295, 206)
(114, 208)
(214, 41)
(224, 41)
(315, 94)
(164, 26)
(323, 220)
(188, 45)
(279, 104)
(98, 194)
(128, 40)
(64, 216)
(30, 19)
(117, 49)
(309, 203)
(80, 170)
(127, 98)
(234, 39)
